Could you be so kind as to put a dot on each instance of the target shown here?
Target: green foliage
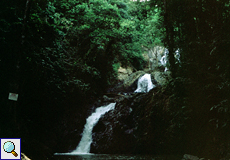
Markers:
(116, 66)
(84, 36)
(61, 54)
(152, 29)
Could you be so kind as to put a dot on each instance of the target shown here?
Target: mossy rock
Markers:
(132, 78)
(129, 84)
(160, 77)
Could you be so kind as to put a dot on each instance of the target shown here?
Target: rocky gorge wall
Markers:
(152, 56)
(140, 122)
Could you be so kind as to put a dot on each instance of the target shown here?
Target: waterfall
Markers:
(177, 56)
(164, 59)
(144, 84)
(163, 62)
(86, 140)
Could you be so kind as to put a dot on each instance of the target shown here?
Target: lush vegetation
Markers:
(199, 28)
(60, 55)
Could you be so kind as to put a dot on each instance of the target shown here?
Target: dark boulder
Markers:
(118, 132)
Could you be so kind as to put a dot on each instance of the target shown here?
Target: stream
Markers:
(82, 150)
(116, 156)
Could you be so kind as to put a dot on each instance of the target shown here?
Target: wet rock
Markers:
(129, 84)
(190, 157)
(118, 133)
(132, 78)
(159, 77)
(123, 73)
(153, 56)
(139, 124)
(107, 99)
(100, 127)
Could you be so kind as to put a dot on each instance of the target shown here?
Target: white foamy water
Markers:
(164, 59)
(86, 140)
(144, 84)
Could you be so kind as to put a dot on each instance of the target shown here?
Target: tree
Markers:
(196, 28)
(64, 53)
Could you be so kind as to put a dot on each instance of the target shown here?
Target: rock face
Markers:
(115, 130)
(136, 125)
(160, 77)
(124, 73)
(140, 121)
(129, 84)
(153, 56)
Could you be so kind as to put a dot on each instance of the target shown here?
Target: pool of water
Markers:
(114, 156)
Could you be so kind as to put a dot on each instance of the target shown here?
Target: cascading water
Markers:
(164, 59)
(86, 140)
(144, 84)
(83, 148)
